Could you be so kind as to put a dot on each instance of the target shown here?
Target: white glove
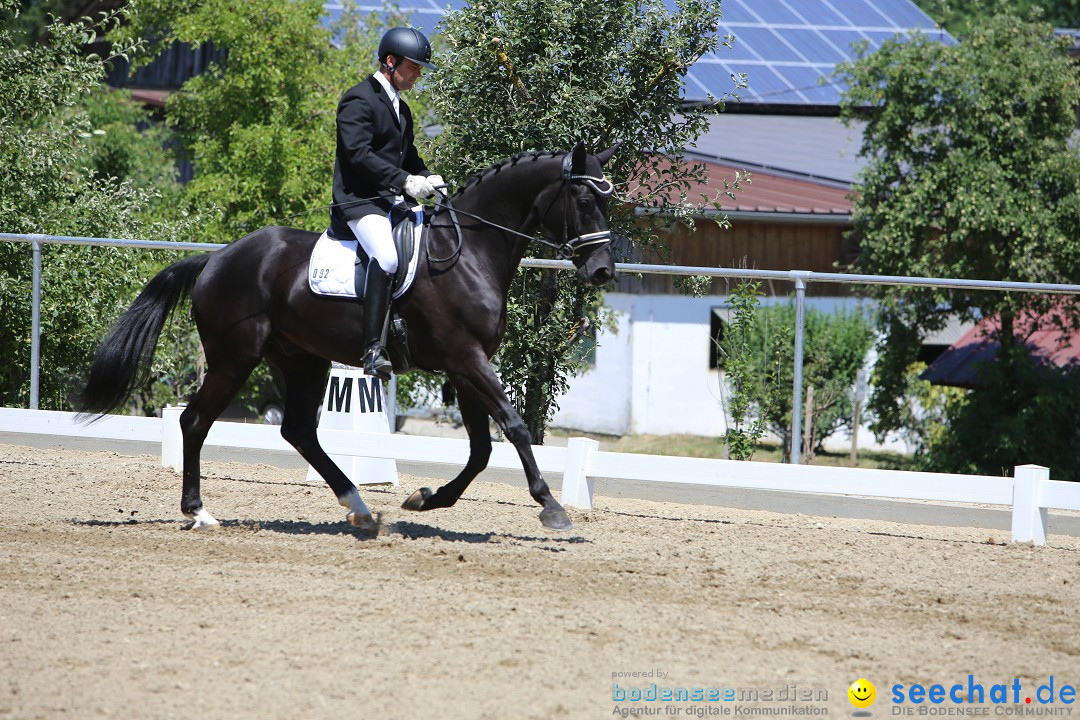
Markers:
(419, 187)
(438, 183)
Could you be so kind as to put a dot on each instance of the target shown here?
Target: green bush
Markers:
(1029, 417)
(834, 348)
(63, 143)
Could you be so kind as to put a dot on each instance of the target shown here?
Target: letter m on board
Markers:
(369, 394)
(339, 394)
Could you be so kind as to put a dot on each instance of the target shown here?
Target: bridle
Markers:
(570, 247)
(599, 185)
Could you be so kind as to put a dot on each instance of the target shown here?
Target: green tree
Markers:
(29, 20)
(971, 175)
(127, 144)
(543, 74)
(1027, 415)
(52, 183)
(259, 129)
(752, 380)
(961, 17)
(922, 415)
(834, 348)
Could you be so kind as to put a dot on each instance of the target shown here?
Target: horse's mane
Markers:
(528, 156)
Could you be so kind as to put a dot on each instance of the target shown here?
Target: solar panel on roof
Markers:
(775, 13)
(860, 13)
(422, 14)
(811, 43)
(785, 47)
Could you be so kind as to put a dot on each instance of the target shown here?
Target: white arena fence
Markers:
(1029, 493)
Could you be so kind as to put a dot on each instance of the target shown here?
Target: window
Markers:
(717, 326)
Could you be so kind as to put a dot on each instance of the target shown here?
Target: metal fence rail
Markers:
(799, 278)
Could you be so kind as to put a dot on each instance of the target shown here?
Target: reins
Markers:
(565, 250)
(454, 212)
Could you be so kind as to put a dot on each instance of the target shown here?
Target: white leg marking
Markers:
(204, 520)
(358, 515)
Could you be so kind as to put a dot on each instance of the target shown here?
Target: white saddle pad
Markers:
(331, 271)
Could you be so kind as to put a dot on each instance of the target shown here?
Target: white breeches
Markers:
(373, 232)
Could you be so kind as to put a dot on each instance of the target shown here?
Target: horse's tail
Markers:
(123, 360)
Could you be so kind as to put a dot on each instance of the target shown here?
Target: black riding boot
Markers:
(376, 309)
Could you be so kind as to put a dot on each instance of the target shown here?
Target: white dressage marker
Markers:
(354, 401)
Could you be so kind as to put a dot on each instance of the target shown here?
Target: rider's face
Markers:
(405, 74)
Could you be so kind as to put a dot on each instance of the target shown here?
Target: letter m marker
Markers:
(339, 394)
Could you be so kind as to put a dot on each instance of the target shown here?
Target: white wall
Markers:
(599, 400)
(652, 373)
(674, 390)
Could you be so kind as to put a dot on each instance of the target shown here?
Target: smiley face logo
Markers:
(862, 693)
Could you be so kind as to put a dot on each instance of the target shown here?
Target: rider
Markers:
(376, 164)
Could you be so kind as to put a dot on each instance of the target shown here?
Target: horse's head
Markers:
(578, 215)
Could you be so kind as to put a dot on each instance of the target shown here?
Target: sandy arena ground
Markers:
(109, 608)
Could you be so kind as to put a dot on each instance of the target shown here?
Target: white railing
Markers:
(1030, 493)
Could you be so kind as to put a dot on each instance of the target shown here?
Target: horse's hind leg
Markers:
(305, 380)
(219, 387)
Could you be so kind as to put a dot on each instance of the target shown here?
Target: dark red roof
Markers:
(155, 98)
(958, 365)
(773, 191)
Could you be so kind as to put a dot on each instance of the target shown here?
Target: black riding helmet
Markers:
(408, 43)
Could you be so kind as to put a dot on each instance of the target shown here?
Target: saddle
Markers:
(338, 268)
(407, 228)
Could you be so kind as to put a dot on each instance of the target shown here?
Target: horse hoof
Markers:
(556, 519)
(416, 500)
(203, 520)
(361, 521)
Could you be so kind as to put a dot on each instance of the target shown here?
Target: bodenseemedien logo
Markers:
(707, 701)
(862, 695)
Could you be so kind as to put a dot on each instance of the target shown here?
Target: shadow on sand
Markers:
(401, 529)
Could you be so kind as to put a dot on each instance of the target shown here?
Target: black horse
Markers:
(251, 301)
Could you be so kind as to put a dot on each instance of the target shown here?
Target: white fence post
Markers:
(576, 486)
(1028, 515)
(172, 442)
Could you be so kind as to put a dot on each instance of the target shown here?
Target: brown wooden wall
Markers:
(761, 245)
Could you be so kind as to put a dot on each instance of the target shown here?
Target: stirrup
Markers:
(376, 364)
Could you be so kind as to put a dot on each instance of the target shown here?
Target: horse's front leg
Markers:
(480, 395)
(553, 515)
(475, 419)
